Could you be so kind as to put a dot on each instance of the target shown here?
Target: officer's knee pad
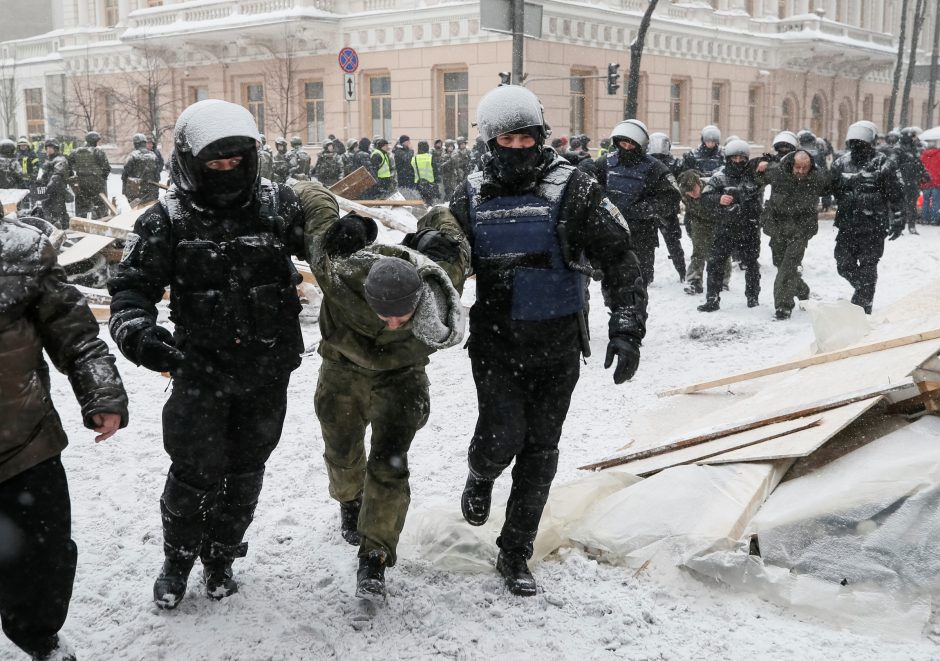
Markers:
(242, 488)
(181, 499)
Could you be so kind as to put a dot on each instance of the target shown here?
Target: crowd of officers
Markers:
(532, 223)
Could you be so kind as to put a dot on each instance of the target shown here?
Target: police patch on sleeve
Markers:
(615, 213)
(129, 244)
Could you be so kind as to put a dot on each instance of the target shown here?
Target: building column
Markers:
(123, 11)
(769, 9)
(82, 6)
(855, 14)
(801, 6)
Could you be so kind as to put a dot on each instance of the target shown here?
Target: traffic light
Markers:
(505, 78)
(612, 78)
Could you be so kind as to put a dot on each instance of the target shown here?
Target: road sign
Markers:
(348, 60)
(496, 16)
(349, 86)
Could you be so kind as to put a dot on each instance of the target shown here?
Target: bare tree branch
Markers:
(636, 54)
(149, 95)
(919, 10)
(281, 84)
(9, 96)
(898, 66)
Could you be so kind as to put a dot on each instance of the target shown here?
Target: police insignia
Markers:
(615, 213)
(129, 244)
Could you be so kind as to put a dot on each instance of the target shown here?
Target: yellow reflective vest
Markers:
(385, 170)
(424, 169)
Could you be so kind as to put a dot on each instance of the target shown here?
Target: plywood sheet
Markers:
(695, 453)
(84, 248)
(800, 443)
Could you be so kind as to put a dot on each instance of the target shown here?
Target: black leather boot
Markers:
(217, 573)
(514, 569)
(475, 500)
(170, 586)
(370, 579)
(349, 520)
(711, 304)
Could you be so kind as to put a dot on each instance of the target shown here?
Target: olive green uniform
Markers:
(790, 220)
(372, 375)
(702, 230)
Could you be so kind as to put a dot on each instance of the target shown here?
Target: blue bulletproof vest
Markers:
(515, 242)
(625, 184)
(707, 164)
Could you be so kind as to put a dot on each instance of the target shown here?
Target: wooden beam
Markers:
(114, 209)
(99, 228)
(806, 362)
(380, 215)
(784, 415)
(391, 203)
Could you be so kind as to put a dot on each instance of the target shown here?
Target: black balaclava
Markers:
(516, 166)
(231, 188)
(861, 151)
(629, 156)
(735, 169)
(783, 149)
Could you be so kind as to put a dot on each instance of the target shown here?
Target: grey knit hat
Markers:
(393, 287)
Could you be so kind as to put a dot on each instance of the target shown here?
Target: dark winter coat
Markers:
(39, 311)
(793, 200)
(90, 165)
(746, 189)
(11, 174)
(595, 230)
(233, 295)
(865, 192)
(402, 157)
(912, 170)
(350, 328)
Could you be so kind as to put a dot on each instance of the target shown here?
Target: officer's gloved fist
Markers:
(628, 358)
(897, 226)
(349, 234)
(156, 350)
(433, 244)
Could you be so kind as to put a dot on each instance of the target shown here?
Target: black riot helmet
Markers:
(511, 109)
(216, 130)
(139, 140)
(92, 138)
(7, 148)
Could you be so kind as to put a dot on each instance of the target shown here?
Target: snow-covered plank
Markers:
(801, 443)
(86, 247)
(697, 453)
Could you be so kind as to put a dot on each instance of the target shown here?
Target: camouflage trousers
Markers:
(396, 403)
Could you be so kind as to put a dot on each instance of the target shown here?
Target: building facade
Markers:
(753, 67)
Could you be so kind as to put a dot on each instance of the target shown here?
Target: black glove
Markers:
(433, 244)
(156, 350)
(628, 358)
(349, 234)
(896, 227)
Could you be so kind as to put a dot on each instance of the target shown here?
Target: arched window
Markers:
(787, 114)
(846, 117)
(817, 115)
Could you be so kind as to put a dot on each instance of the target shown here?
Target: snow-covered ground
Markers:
(296, 599)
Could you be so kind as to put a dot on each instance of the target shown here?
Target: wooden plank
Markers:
(380, 215)
(101, 312)
(354, 184)
(304, 270)
(99, 228)
(114, 209)
(86, 247)
(801, 443)
(11, 197)
(390, 203)
(783, 415)
(690, 455)
(806, 362)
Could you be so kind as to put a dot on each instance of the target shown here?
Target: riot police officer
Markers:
(141, 173)
(299, 160)
(708, 156)
(912, 172)
(329, 167)
(733, 196)
(531, 219)
(52, 186)
(265, 160)
(785, 143)
(642, 188)
(870, 194)
(660, 148)
(29, 160)
(11, 174)
(222, 237)
(91, 167)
